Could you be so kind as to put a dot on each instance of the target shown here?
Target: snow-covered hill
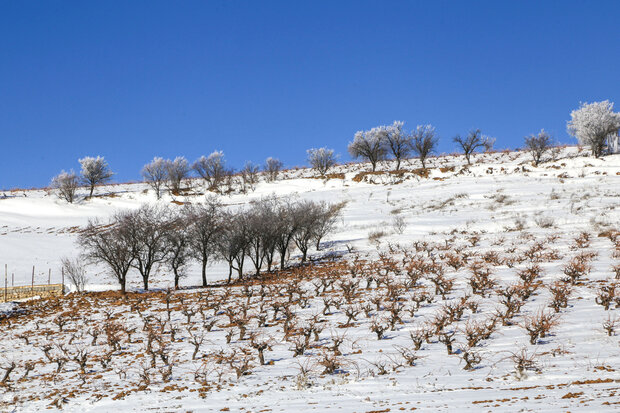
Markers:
(501, 212)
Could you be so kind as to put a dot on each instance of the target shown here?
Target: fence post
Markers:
(5, 281)
(62, 270)
(32, 282)
(49, 276)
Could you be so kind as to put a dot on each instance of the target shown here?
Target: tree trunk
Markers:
(92, 188)
(204, 272)
(176, 278)
(282, 259)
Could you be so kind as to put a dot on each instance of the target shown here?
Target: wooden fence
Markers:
(29, 291)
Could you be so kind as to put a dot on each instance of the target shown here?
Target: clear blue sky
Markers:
(130, 80)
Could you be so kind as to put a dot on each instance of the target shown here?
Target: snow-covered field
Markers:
(503, 220)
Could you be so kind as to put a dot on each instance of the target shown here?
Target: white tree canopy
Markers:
(95, 171)
(594, 125)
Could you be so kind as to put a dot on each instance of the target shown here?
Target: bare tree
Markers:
(263, 232)
(95, 171)
(207, 222)
(74, 270)
(272, 168)
(155, 173)
(286, 228)
(147, 227)
(177, 171)
(369, 145)
(326, 218)
(424, 142)
(232, 242)
(109, 244)
(249, 176)
(469, 144)
(212, 169)
(177, 245)
(398, 142)
(537, 145)
(305, 214)
(321, 159)
(65, 184)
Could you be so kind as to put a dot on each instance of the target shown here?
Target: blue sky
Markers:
(133, 80)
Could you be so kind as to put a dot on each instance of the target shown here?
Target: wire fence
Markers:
(21, 292)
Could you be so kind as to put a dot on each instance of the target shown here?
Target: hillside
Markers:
(408, 305)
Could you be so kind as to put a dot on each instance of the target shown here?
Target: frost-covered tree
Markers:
(397, 142)
(321, 159)
(593, 124)
(95, 171)
(369, 145)
(155, 173)
(537, 145)
(211, 168)
(471, 142)
(177, 171)
(272, 168)
(424, 142)
(65, 185)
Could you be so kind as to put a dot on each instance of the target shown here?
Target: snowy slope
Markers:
(500, 204)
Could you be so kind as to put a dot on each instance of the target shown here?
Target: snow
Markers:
(500, 199)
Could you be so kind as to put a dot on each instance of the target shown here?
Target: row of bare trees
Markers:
(155, 235)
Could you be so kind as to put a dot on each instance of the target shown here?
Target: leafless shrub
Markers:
(399, 224)
(610, 325)
(524, 361)
(480, 280)
(331, 362)
(560, 292)
(539, 325)
(576, 268)
(379, 327)
(544, 221)
(75, 272)
(443, 285)
(470, 357)
(376, 235)
(409, 356)
(447, 338)
(606, 295)
(582, 240)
